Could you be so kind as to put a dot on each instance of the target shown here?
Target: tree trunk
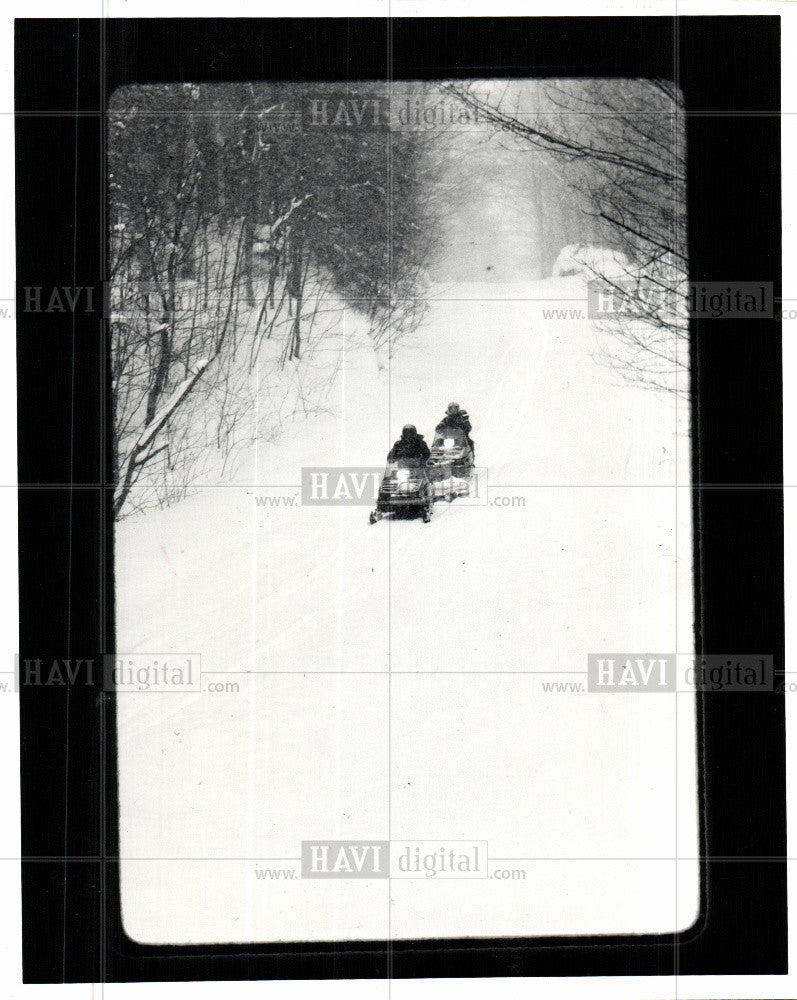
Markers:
(249, 260)
(298, 285)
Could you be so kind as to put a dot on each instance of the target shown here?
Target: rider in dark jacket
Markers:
(410, 445)
(457, 417)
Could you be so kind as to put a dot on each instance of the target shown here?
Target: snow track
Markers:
(390, 676)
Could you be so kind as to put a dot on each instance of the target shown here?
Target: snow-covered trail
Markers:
(582, 559)
(318, 582)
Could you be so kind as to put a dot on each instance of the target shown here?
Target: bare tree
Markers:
(224, 234)
(621, 143)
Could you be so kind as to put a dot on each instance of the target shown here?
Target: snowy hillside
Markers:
(388, 673)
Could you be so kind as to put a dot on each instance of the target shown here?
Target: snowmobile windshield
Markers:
(412, 464)
(449, 437)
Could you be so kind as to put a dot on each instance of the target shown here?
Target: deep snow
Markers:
(391, 675)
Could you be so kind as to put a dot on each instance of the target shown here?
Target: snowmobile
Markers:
(450, 464)
(405, 491)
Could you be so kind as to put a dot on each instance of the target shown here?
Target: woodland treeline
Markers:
(232, 224)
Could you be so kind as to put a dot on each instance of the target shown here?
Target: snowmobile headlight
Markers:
(403, 475)
(448, 443)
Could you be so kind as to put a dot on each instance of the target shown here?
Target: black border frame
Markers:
(728, 69)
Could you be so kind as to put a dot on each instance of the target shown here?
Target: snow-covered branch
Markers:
(144, 449)
(295, 203)
(171, 405)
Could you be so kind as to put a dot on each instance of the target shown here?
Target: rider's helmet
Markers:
(452, 409)
(408, 431)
